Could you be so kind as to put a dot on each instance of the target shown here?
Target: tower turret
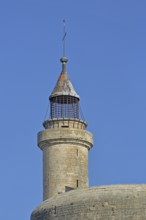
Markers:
(64, 142)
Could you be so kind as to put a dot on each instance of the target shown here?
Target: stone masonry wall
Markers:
(64, 165)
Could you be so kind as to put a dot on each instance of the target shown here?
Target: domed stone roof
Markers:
(113, 202)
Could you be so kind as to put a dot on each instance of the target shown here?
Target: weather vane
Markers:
(64, 36)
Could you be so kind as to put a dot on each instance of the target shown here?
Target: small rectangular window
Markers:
(77, 183)
(65, 126)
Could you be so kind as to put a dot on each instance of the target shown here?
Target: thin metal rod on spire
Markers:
(64, 36)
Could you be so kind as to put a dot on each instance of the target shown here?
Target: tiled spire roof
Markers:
(64, 85)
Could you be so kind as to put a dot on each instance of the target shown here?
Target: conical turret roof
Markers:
(64, 85)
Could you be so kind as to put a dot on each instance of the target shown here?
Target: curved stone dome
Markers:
(113, 202)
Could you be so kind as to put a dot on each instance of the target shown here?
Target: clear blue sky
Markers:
(106, 47)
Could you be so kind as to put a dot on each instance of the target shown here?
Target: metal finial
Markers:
(64, 36)
(63, 59)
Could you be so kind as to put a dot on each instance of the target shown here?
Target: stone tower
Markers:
(64, 142)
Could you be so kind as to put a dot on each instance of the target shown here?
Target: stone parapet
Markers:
(65, 122)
